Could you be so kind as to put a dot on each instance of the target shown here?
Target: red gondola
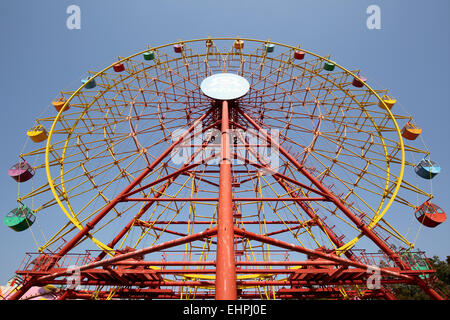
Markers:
(430, 215)
(299, 55)
(119, 67)
(178, 48)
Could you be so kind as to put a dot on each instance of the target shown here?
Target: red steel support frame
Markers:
(225, 260)
(150, 202)
(280, 179)
(125, 191)
(337, 202)
(91, 224)
(226, 265)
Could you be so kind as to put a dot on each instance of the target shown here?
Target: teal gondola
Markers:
(269, 47)
(20, 218)
(415, 261)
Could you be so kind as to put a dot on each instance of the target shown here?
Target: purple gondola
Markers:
(21, 171)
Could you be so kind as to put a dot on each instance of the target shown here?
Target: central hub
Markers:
(225, 86)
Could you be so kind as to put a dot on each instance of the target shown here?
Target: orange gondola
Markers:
(410, 131)
(59, 104)
(239, 44)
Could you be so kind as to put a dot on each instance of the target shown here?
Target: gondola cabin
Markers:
(299, 55)
(410, 131)
(149, 55)
(59, 104)
(37, 133)
(430, 215)
(269, 47)
(178, 48)
(119, 67)
(388, 101)
(89, 83)
(239, 44)
(427, 169)
(21, 171)
(20, 218)
(209, 43)
(328, 66)
(415, 261)
(358, 82)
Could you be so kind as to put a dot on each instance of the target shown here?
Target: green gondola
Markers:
(149, 55)
(415, 261)
(20, 218)
(328, 66)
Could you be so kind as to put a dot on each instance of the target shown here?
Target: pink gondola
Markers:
(359, 83)
(21, 171)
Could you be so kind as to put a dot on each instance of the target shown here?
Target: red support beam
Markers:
(250, 283)
(226, 269)
(316, 253)
(340, 205)
(234, 199)
(91, 224)
(281, 180)
(284, 222)
(213, 263)
(337, 202)
(160, 192)
(158, 247)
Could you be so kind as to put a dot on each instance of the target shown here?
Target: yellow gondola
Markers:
(37, 133)
(388, 101)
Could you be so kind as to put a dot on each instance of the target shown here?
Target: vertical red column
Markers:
(225, 260)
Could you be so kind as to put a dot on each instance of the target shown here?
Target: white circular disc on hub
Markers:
(224, 86)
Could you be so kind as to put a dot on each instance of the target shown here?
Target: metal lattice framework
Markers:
(313, 163)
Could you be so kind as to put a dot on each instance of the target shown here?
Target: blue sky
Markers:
(40, 56)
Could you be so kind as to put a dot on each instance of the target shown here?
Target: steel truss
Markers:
(354, 155)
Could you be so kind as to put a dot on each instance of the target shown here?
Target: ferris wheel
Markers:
(226, 168)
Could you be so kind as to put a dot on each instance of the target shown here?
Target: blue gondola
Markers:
(427, 169)
(90, 83)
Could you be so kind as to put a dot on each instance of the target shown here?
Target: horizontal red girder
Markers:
(209, 222)
(131, 276)
(234, 199)
(212, 263)
(289, 246)
(125, 271)
(159, 247)
(209, 283)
